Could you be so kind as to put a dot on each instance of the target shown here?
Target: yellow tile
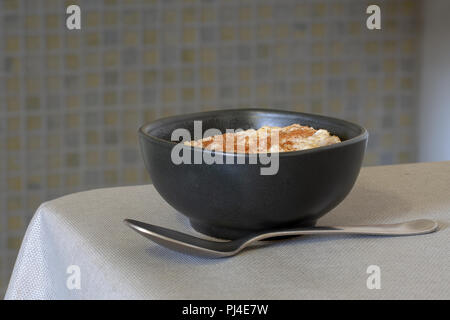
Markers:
(245, 74)
(111, 157)
(389, 46)
(170, 17)
(208, 55)
(265, 12)
(12, 44)
(13, 164)
(355, 28)
(151, 57)
(316, 106)
(188, 56)
(335, 67)
(15, 184)
(208, 14)
(336, 105)
(405, 120)
(131, 38)
(52, 62)
(245, 13)
(111, 118)
(149, 115)
(317, 87)
(14, 124)
(169, 95)
(131, 77)
(13, 204)
(93, 80)
(227, 33)
(245, 33)
(32, 22)
(32, 103)
(72, 180)
(14, 243)
(403, 157)
(53, 42)
(188, 94)
(72, 101)
(33, 202)
(244, 92)
(110, 98)
(407, 83)
(130, 176)
(282, 31)
(52, 21)
(389, 65)
(318, 29)
(130, 98)
(169, 76)
(34, 143)
(298, 88)
(72, 121)
(131, 18)
(299, 69)
(110, 177)
(33, 43)
(389, 84)
(387, 141)
(53, 141)
(130, 118)
(189, 15)
(11, 4)
(72, 61)
(110, 18)
(53, 181)
(149, 77)
(110, 2)
(92, 19)
(318, 49)
(189, 35)
(390, 26)
(150, 37)
(264, 32)
(317, 69)
(371, 47)
(352, 85)
(372, 84)
(319, 9)
(262, 90)
(92, 39)
(92, 59)
(92, 137)
(53, 83)
(208, 74)
(92, 158)
(34, 122)
(208, 93)
(13, 103)
(129, 137)
(54, 161)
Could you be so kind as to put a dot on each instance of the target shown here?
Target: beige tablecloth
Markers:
(81, 237)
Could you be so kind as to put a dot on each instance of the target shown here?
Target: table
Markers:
(76, 247)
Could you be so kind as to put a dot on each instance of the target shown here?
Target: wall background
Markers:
(71, 101)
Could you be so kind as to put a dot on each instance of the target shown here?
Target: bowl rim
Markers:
(161, 121)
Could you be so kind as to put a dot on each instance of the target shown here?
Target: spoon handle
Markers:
(413, 227)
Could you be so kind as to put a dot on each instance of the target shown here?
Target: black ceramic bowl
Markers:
(232, 200)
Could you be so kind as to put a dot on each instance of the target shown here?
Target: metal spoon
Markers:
(188, 244)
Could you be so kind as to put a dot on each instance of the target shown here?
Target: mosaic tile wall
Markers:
(70, 101)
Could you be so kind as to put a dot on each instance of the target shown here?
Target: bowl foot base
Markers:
(232, 233)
